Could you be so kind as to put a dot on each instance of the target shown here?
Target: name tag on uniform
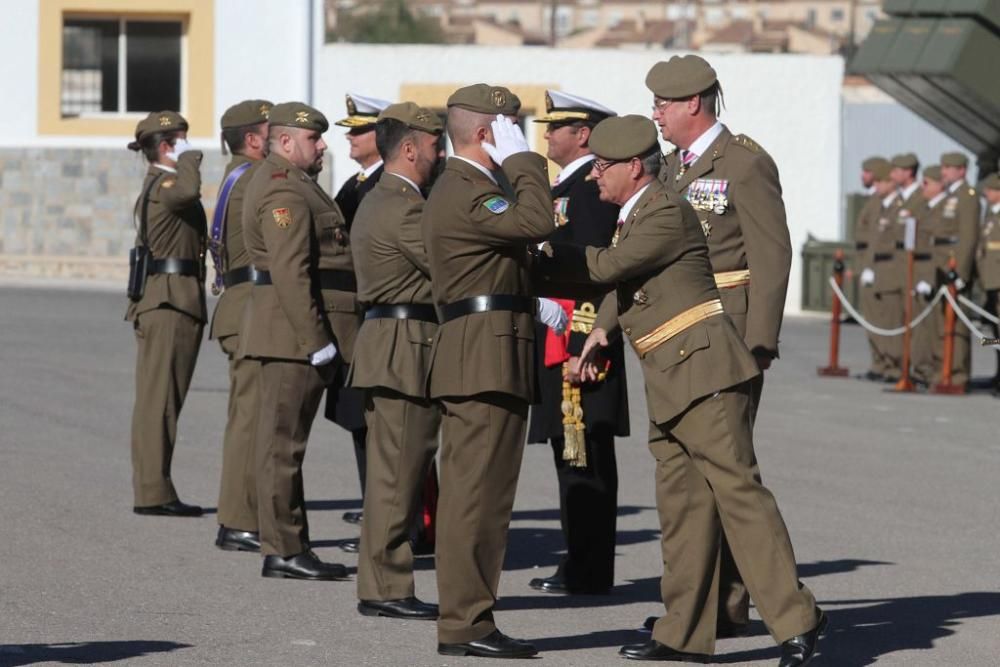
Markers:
(709, 194)
(560, 209)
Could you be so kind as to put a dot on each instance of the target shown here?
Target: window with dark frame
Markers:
(115, 66)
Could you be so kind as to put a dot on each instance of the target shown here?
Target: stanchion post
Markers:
(834, 369)
(945, 386)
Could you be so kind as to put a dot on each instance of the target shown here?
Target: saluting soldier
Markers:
(580, 420)
(698, 374)
(865, 229)
(244, 132)
(300, 320)
(988, 260)
(392, 356)
(344, 405)
(733, 185)
(884, 274)
(482, 368)
(169, 315)
(957, 237)
(925, 336)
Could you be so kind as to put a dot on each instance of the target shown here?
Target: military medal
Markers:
(560, 208)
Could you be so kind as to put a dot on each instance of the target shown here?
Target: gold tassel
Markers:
(574, 438)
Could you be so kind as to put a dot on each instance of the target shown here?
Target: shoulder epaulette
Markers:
(747, 143)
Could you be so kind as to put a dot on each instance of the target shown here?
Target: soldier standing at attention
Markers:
(957, 237)
(733, 185)
(300, 320)
(169, 315)
(482, 368)
(864, 234)
(244, 132)
(345, 406)
(699, 391)
(584, 446)
(392, 356)
(988, 261)
(925, 337)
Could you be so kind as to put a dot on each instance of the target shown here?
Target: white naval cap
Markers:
(561, 107)
(362, 110)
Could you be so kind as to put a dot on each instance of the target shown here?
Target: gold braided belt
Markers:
(676, 325)
(732, 278)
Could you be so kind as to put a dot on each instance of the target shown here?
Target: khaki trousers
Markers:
(961, 360)
(238, 488)
(402, 442)
(923, 341)
(482, 441)
(290, 393)
(168, 342)
(888, 312)
(708, 485)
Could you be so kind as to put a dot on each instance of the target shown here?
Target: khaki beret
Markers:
(484, 98)
(624, 137)
(932, 173)
(873, 162)
(160, 121)
(880, 171)
(298, 114)
(991, 182)
(905, 161)
(954, 160)
(247, 112)
(680, 77)
(413, 116)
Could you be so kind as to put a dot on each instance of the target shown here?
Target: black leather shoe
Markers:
(408, 608)
(230, 539)
(494, 645)
(305, 565)
(353, 517)
(173, 508)
(554, 584)
(723, 630)
(799, 650)
(654, 650)
(872, 376)
(351, 546)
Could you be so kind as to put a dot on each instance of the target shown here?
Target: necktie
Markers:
(687, 159)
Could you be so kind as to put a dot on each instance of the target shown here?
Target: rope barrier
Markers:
(878, 331)
(962, 316)
(985, 314)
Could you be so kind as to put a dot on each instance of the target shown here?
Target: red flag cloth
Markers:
(556, 347)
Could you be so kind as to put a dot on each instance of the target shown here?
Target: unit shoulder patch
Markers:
(282, 217)
(496, 205)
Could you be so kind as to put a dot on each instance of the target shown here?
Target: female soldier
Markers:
(169, 312)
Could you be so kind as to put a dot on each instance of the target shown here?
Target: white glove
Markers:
(508, 139)
(923, 288)
(867, 277)
(180, 146)
(959, 284)
(324, 355)
(552, 315)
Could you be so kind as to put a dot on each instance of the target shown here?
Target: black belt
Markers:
(403, 311)
(945, 240)
(182, 267)
(343, 281)
(860, 245)
(483, 304)
(245, 274)
(883, 256)
(261, 277)
(922, 256)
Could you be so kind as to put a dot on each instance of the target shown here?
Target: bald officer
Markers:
(579, 420)
(392, 356)
(988, 259)
(244, 133)
(482, 369)
(169, 313)
(733, 185)
(301, 319)
(865, 229)
(698, 374)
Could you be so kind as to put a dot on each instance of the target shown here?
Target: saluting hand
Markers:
(585, 366)
(508, 139)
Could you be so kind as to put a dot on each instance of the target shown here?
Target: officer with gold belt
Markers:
(988, 259)
(244, 132)
(167, 304)
(733, 185)
(865, 229)
(925, 336)
(698, 374)
(392, 356)
(482, 368)
(884, 275)
(300, 320)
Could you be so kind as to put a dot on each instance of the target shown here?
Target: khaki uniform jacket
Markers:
(293, 229)
(176, 227)
(864, 234)
(960, 223)
(887, 248)
(474, 251)
(750, 233)
(988, 260)
(229, 310)
(660, 268)
(928, 221)
(392, 268)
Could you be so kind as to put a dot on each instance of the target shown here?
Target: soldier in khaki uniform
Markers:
(300, 320)
(698, 374)
(925, 339)
(392, 357)
(169, 317)
(482, 368)
(244, 131)
(733, 185)
(864, 234)
(912, 206)
(988, 259)
(957, 236)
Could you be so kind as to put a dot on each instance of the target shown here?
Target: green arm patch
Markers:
(496, 205)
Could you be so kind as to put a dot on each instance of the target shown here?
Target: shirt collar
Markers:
(630, 204)
(701, 144)
(479, 167)
(411, 183)
(169, 170)
(569, 169)
(995, 208)
(953, 188)
(889, 198)
(372, 169)
(937, 199)
(909, 190)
